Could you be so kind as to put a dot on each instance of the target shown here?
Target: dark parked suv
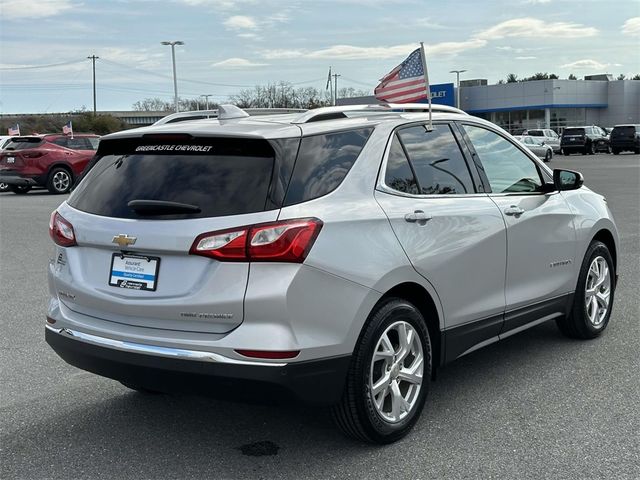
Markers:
(51, 161)
(585, 140)
(625, 137)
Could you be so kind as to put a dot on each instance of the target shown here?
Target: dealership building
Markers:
(597, 100)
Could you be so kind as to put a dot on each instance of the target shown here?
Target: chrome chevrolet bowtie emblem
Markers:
(124, 240)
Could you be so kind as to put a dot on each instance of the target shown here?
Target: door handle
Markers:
(417, 216)
(514, 211)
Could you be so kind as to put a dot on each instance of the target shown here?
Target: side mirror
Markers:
(567, 179)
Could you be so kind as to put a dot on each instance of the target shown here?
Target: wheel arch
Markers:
(64, 165)
(426, 304)
(605, 236)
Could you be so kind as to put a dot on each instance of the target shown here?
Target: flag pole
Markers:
(426, 79)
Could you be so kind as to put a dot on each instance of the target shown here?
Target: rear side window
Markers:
(218, 176)
(323, 162)
(437, 160)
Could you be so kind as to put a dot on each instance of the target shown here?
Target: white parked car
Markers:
(538, 148)
(546, 135)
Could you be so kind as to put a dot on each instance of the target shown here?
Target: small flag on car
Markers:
(406, 83)
(68, 129)
(14, 130)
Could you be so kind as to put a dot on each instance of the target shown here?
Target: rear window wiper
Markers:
(161, 207)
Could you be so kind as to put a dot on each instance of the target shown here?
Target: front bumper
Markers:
(316, 382)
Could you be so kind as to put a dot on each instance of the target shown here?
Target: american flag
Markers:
(405, 83)
(67, 129)
(14, 131)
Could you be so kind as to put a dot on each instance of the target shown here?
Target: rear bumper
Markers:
(17, 179)
(316, 382)
(625, 144)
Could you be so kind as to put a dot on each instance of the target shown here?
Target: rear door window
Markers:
(323, 162)
(437, 160)
(218, 176)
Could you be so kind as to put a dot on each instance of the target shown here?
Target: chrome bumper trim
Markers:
(178, 353)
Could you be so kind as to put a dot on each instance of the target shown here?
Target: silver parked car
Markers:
(339, 255)
(537, 147)
(546, 135)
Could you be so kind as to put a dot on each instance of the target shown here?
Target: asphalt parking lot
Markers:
(536, 405)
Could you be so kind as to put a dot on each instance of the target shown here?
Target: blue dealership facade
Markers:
(552, 104)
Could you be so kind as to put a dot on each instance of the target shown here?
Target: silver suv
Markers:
(339, 256)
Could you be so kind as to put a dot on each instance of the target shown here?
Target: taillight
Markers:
(61, 231)
(286, 241)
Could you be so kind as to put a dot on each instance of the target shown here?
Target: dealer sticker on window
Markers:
(134, 271)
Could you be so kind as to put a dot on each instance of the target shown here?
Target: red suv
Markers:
(51, 161)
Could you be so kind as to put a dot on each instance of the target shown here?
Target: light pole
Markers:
(206, 98)
(173, 60)
(457, 72)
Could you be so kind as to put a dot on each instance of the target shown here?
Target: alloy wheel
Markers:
(597, 291)
(61, 181)
(396, 372)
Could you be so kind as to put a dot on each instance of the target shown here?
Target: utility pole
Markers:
(93, 59)
(457, 72)
(173, 61)
(206, 98)
(335, 88)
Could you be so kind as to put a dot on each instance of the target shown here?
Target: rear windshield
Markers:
(23, 143)
(218, 176)
(573, 131)
(536, 133)
(623, 131)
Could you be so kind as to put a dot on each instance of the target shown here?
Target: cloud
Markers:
(236, 62)
(225, 4)
(526, 58)
(587, 64)
(240, 22)
(351, 52)
(533, 27)
(632, 27)
(15, 9)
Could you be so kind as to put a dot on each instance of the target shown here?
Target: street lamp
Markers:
(206, 97)
(173, 59)
(457, 72)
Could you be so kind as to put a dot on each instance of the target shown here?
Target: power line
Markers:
(51, 65)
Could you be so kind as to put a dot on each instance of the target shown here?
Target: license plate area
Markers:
(137, 272)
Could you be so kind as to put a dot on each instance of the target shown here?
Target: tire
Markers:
(20, 189)
(548, 156)
(592, 149)
(378, 418)
(615, 151)
(142, 390)
(565, 152)
(59, 181)
(584, 321)
(4, 187)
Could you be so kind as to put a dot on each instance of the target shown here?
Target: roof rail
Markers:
(202, 114)
(326, 113)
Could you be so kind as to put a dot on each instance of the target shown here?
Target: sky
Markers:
(236, 44)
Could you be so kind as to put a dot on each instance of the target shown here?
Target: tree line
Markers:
(513, 78)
